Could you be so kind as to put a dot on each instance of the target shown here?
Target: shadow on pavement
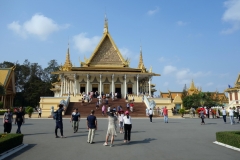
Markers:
(137, 131)
(147, 140)
(30, 146)
(34, 134)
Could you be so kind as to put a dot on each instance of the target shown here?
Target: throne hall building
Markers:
(106, 71)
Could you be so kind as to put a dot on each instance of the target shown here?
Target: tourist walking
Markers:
(120, 119)
(103, 110)
(97, 105)
(127, 127)
(75, 118)
(91, 126)
(59, 123)
(7, 121)
(39, 112)
(238, 108)
(112, 126)
(231, 115)
(150, 113)
(224, 114)
(191, 112)
(165, 114)
(19, 120)
(202, 115)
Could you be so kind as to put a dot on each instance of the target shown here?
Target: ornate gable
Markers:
(106, 54)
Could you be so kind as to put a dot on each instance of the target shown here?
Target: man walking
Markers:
(224, 114)
(92, 126)
(59, 123)
(165, 114)
(150, 112)
(75, 120)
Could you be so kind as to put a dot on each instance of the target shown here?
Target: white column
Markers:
(62, 79)
(75, 85)
(87, 82)
(125, 86)
(70, 87)
(112, 85)
(137, 84)
(100, 87)
(149, 88)
(64, 85)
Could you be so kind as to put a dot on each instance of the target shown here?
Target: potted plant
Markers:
(182, 111)
(29, 111)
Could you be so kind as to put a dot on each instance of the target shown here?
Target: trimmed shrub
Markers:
(231, 138)
(9, 141)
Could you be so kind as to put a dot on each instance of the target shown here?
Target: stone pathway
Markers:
(178, 139)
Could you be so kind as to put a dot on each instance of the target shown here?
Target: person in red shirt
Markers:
(165, 114)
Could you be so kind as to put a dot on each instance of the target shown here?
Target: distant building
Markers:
(177, 100)
(7, 79)
(234, 93)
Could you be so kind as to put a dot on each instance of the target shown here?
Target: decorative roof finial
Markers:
(68, 64)
(105, 30)
(141, 64)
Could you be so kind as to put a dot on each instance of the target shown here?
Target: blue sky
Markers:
(181, 39)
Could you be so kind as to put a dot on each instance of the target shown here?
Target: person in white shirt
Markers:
(224, 114)
(231, 115)
(127, 127)
(120, 119)
(150, 112)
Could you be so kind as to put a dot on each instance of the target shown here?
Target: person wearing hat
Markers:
(127, 127)
(112, 126)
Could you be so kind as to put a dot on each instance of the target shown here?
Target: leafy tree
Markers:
(52, 67)
(184, 92)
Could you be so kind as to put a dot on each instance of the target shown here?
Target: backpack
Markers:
(55, 115)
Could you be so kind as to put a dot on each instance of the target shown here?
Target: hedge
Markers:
(231, 138)
(9, 141)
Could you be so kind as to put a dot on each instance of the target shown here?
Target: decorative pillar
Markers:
(61, 77)
(87, 83)
(75, 85)
(112, 85)
(64, 84)
(149, 88)
(137, 84)
(125, 86)
(100, 87)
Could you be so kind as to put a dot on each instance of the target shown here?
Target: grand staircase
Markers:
(139, 109)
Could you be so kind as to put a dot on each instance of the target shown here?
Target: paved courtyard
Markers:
(180, 139)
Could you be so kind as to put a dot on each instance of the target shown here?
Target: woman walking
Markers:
(7, 121)
(127, 127)
(112, 126)
(19, 119)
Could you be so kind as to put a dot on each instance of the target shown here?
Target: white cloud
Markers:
(152, 12)
(232, 15)
(38, 25)
(85, 44)
(185, 75)
(169, 69)
(181, 23)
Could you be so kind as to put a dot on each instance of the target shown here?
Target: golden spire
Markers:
(140, 64)
(68, 64)
(105, 30)
(192, 87)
